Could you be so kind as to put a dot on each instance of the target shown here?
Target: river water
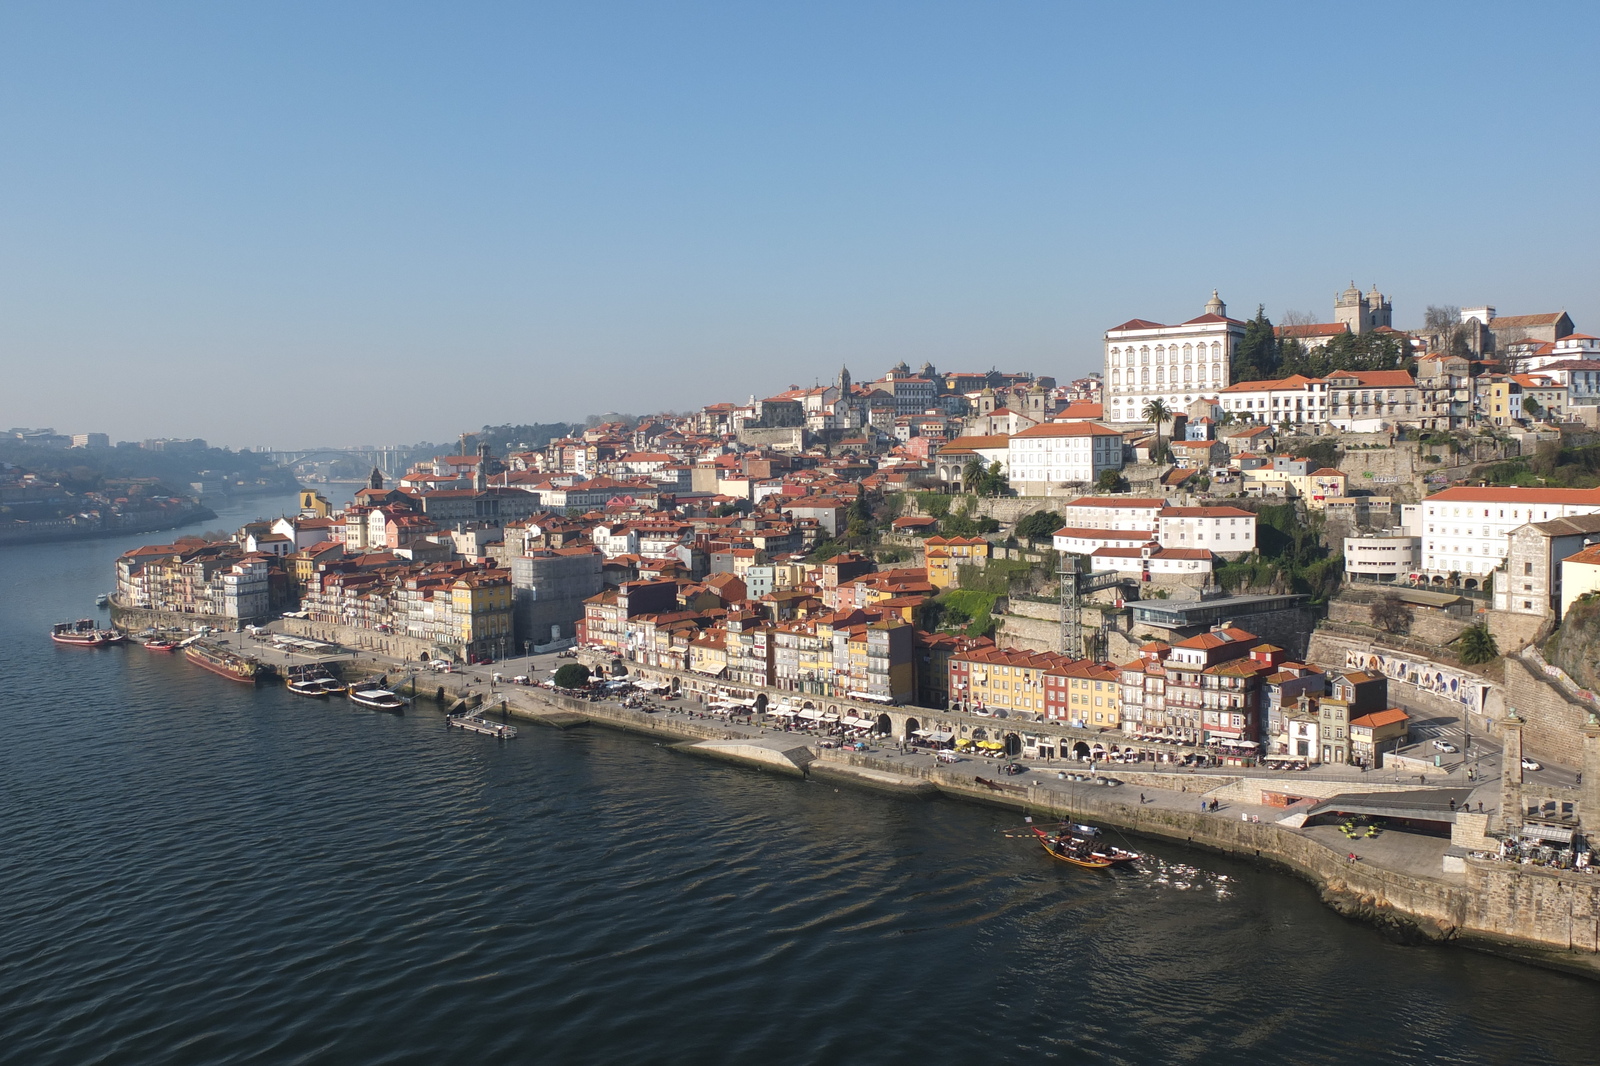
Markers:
(195, 872)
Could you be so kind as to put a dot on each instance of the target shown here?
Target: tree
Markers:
(1447, 333)
(1476, 644)
(1390, 615)
(572, 675)
(1156, 411)
(1039, 524)
(1256, 357)
(1531, 406)
(1111, 481)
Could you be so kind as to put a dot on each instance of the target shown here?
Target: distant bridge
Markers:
(391, 461)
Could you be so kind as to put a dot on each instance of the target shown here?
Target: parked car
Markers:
(1531, 764)
(1443, 745)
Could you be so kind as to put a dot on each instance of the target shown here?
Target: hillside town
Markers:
(1181, 549)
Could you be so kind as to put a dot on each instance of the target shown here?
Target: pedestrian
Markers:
(1202, 806)
(1141, 799)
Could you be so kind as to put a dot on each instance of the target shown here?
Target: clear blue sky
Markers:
(284, 223)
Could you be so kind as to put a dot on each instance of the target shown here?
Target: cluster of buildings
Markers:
(1226, 688)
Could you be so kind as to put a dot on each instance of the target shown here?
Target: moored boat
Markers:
(85, 634)
(224, 663)
(379, 699)
(317, 688)
(160, 644)
(1070, 849)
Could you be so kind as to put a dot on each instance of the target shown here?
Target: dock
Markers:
(474, 724)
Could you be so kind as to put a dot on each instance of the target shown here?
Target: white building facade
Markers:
(1175, 364)
(1298, 400)
(1062, 452)
(1224, 530)
(1467, 531)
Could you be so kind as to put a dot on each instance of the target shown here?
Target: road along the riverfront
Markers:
(1396, 882)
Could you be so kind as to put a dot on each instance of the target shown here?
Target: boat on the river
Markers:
(224, 663)
(379, 699)
(1068, 848)
(1091, 836)
(317, 688)
(85, 633)
(103, 600)
(166, 644)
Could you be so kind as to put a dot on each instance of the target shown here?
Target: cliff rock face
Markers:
(1575, 647)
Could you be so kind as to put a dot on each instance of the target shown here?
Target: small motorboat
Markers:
(160, 644)
(102, 600)
(379, 699)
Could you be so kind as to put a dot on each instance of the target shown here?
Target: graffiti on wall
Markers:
(1469, 690)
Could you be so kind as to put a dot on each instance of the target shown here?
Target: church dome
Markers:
(1215, 306)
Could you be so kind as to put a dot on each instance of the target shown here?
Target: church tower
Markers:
(844, 382)
(375, 480)
(1215, 306)
(480, 473)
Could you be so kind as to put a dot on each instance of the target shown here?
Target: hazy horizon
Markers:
(362, 222)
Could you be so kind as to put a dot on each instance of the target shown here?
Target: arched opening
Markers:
(808, 706)
(1471, 583)
(675, 685)
(979, 733)
(761, 703)
(1013, 745)
(912, 725)
(617, 669)
(885, 725)
(1080, 750)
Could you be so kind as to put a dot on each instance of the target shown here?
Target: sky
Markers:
(337, 223)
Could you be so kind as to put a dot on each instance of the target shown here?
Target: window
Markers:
(1527, 568)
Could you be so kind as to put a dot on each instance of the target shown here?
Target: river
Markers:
(195, 872)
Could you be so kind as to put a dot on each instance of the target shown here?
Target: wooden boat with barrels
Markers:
(224, 663)
(85, 634)
(1068, 848)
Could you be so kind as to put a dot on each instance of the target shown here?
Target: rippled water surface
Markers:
(194, 872)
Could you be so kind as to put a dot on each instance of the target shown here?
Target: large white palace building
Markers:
(1176, 364)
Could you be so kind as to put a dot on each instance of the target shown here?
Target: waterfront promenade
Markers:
(1396, 880)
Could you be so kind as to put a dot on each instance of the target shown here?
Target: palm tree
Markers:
(1156, 411)
(1476, 644)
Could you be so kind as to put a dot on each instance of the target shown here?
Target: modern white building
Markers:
(1175, 364)
(1467, 530)
(1057, 453)
(1296, 399)
(1380, 558)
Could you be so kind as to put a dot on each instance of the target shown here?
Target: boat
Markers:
(102, 600)
(224, 663)
(160, 644)
(317, 688)
(1090, 838)
(1069, 849)
(379, 699)
(84, 633)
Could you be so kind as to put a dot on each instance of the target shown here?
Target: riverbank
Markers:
(1396, 884)
(66, 529)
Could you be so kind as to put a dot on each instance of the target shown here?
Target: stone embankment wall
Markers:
(1553, 919)
(1555, 719)
(133, 619)
(409, 649)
